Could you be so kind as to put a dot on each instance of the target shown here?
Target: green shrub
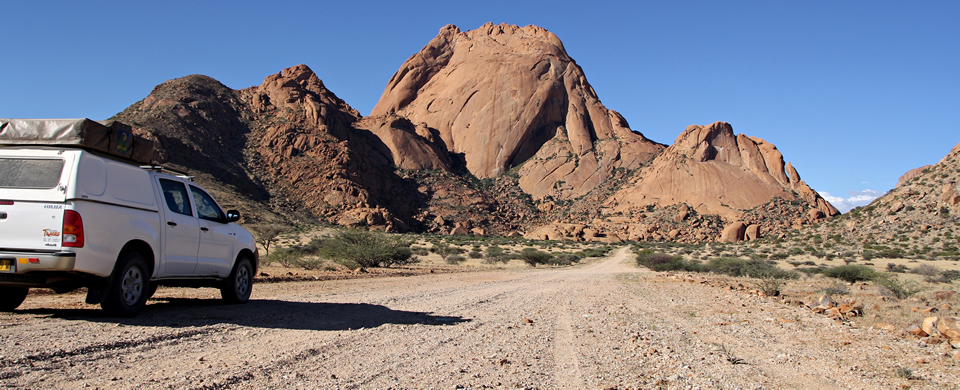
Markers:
(898, 268)
(455, 259)
(891, 285)
(533, 256)
(851, 273)
(286, 257)
(444, 249)
(926, 270)
(361, 248)
(595, 252)
(475, 255)
(770, 284)
(810, 270)
(933, 274)
(496, 254)
(309, 262)
(836, 288)
(563, 259)
(755, 268)
(889, 254)
(663, 262)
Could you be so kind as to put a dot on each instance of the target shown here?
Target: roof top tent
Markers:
(107, 137)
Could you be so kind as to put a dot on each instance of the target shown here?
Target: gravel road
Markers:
(601, 325)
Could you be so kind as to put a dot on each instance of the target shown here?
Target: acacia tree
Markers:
(362, 248)
(266, 234)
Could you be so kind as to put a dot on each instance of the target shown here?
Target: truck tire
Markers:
(12, 297)
(130, 287)
(238, 286)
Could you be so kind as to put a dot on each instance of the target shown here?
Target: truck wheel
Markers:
(237, 287)
(130, 288)
(12, 297)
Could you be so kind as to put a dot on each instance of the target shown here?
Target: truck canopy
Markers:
(110, 137)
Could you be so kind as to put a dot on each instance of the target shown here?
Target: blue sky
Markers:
(854, 93)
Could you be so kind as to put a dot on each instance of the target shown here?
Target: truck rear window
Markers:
(30, 173)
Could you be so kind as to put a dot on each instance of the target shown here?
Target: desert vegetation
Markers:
(323, 249)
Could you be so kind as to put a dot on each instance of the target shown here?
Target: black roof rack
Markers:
(163, 169)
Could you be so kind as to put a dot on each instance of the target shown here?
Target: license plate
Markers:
(6, 265)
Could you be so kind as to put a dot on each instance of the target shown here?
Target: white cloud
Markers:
(856, 199)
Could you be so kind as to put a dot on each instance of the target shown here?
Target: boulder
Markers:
(752, 232)
(733, 232)
(916, 331)
(949, 328)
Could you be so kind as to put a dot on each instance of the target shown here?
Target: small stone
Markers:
(930, 326)
(889, 328)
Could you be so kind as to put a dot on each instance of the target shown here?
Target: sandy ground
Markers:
(601, 325)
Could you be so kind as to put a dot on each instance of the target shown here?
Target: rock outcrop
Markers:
(503, 96)
(289, 142)
(912, 174)
(717, 172)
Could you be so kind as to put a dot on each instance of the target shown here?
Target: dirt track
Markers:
(606, 324)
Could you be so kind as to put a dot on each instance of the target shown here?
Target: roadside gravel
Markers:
(605, 324)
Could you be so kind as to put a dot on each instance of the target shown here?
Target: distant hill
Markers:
(919, 218)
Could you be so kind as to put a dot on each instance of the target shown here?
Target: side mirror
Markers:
(233, 215)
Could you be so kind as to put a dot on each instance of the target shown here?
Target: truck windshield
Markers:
(30, 173)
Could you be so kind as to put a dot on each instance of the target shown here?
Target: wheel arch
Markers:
(143, 248)
(253, 258)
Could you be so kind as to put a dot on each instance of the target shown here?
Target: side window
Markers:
(175, 196)
(206, 207)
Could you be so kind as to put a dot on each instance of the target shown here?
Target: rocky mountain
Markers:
(504, 96)
(489, 131)
(918, 218)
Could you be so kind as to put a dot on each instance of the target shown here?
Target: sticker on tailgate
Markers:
(51, 237)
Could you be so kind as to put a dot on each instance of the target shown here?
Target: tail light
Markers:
(72, 229)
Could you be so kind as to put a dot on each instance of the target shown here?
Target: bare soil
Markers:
(603, 324)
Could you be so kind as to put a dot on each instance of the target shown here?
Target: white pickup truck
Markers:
(72, 218)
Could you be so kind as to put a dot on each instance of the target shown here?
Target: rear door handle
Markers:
(205, 229)
(171, 223)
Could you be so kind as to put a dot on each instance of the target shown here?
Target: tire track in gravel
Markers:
(151, 342)
(568, 362)
(492, 306)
